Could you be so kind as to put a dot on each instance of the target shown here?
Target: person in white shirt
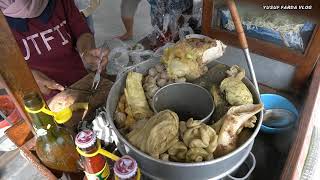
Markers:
(87, 7)
(158, 8)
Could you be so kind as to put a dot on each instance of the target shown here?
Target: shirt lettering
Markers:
(27, 57)
(56, 28)
(32, 37)
(63, 23)
(46, 39)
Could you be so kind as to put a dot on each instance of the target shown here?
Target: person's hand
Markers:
(92, 58)
(45, 83)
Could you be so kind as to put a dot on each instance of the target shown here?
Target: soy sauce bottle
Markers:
(54, 145)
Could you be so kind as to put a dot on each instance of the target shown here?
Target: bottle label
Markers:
(101, 175)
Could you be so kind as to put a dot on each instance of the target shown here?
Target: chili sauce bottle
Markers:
(126, 168)
(54, 145)
(96, 167)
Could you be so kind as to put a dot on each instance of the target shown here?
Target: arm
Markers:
(45, 83)
(84, 39)
(85, 42)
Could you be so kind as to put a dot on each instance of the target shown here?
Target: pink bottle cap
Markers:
(126, 167)
(85, 139)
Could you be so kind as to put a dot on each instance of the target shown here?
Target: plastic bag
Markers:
(159, 51)
(166, 21)
(137, 47)
(154, 36)
(185, 30)
(118, 59)
(122, 56)
(174, 26)
(197, 11)
(137, 57)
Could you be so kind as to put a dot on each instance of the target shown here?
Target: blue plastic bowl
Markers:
(274, 101)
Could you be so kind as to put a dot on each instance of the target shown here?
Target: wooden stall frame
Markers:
(15, 75)
(304, 62)
(309, 115)
(17, 79)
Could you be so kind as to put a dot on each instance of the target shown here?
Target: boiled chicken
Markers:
(236, 92)
(188, 57)
(157, 134)
(231, 124)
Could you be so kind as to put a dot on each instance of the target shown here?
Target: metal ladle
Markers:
(278, 118)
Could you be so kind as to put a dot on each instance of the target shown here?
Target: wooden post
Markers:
(14, 71)
(309, 61)
(207, 16)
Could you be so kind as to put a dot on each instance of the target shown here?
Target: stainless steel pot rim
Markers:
(191, 84)
(250, 140)
(229, 171)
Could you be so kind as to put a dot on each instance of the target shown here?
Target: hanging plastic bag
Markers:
(197, 11)
(153, 37)
(156, 28)
(174, 26)
(185, 30)
(166, 22)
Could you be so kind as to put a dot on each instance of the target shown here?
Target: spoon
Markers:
(278, 118)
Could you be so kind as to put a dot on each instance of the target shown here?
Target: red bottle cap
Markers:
(85, 139)
(126, 167)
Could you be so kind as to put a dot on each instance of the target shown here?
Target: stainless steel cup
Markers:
(186, 99)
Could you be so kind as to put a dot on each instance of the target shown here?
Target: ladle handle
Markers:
(243, 40)
(237, 23)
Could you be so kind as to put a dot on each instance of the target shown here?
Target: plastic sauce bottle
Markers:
(54, 145)
(96, 167)
(126, 168)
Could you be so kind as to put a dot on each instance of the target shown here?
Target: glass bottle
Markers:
(96, 167)
(54, 145)
(126, 168)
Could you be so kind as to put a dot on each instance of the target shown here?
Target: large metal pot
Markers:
(158, 169)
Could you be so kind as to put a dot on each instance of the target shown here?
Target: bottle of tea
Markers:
(54, 145)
